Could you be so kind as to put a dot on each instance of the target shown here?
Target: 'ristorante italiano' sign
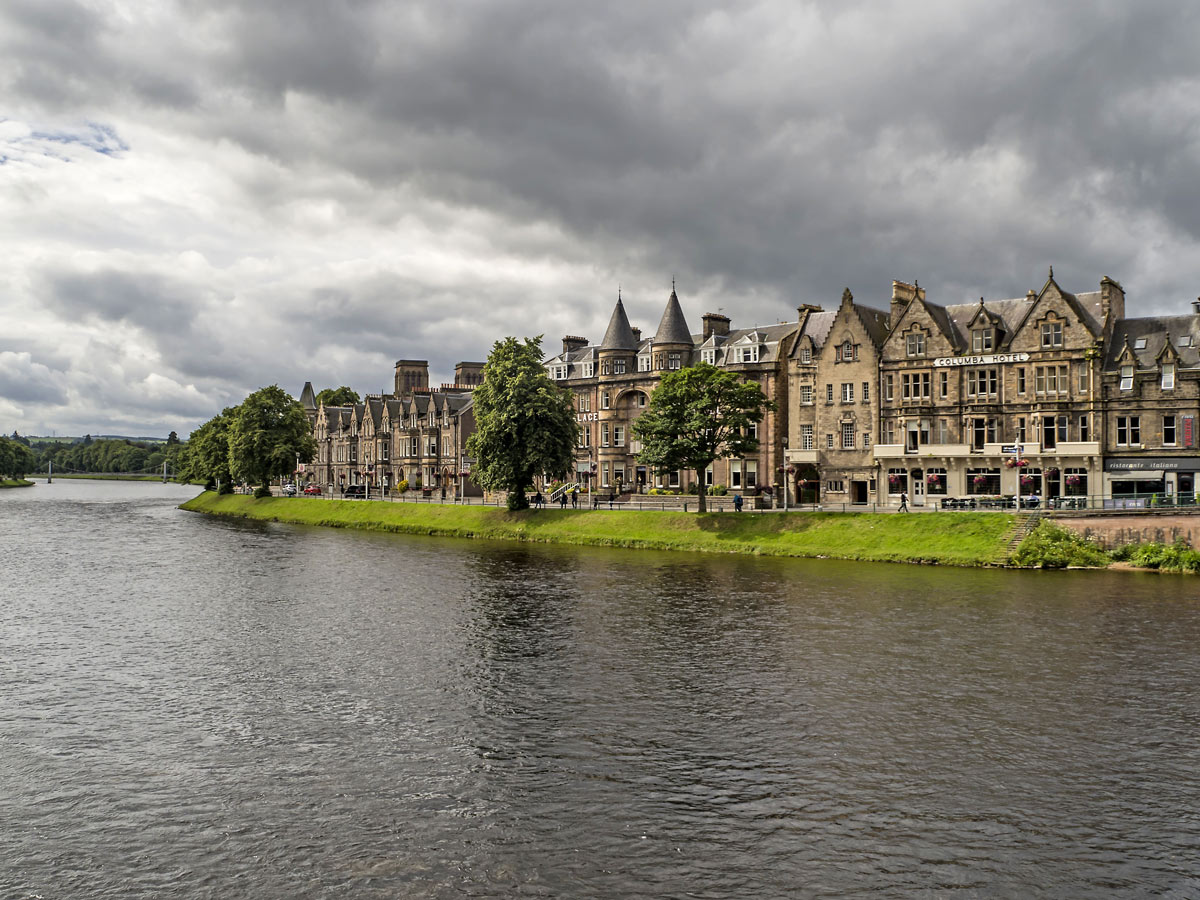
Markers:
(990, 359)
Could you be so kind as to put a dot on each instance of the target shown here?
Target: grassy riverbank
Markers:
(963, 539)
(18, 482)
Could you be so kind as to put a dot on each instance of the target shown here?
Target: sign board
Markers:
(1152, 464)
(990, 359)
(1012, 448)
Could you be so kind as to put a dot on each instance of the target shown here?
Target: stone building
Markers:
(1150, 388)
(833, 368)
(960, 383)
(612, 382)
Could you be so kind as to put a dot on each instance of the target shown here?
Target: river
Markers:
(195, 707)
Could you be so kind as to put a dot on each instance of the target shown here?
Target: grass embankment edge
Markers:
(15, 483)
(962, 539)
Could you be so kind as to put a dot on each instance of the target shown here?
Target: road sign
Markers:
(1012, 448)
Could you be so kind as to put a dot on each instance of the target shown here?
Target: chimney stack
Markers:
(1112, 301)
(572, 342)
(715, 323)
(903, 294)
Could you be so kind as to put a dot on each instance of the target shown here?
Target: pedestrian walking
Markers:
(575, 497)
(903, 502)
(737, 502)
(562, 500)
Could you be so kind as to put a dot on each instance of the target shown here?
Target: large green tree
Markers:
(16, 459)
(341, 396)
(524, 422)
(696, 416)
(206, 455)
(268, 434)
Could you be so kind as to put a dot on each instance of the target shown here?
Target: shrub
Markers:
(403, 485)
(262, 491)
(1053, 547)
(1176, 557)
(693, 488)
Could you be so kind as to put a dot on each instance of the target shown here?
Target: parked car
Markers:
(312, 489)
(356, 492)
(289, 490)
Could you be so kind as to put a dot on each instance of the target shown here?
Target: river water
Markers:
(194, 707)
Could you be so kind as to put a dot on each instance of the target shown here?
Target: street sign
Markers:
(1012, 448)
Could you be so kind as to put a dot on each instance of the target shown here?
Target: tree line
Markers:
(112, 455)
(17, 459)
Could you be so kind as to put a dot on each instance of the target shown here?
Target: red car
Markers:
(312, 489)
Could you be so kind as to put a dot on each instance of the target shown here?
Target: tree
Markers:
(341, 396)
(172, 439)
(524, 422)
(15, 459)
(206, 455)
(696, 416)
(268, 434)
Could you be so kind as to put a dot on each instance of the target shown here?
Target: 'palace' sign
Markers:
(991, 359)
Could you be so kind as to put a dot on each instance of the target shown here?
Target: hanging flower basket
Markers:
(1014, 463)
(791, 470)
(1052, 472)
(933, 480)
(979, 481)
(1074, 481)
(893, 481)
(1028, 481)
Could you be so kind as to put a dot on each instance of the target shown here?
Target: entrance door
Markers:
(858, 492)
(917, 480)
(1187, 488)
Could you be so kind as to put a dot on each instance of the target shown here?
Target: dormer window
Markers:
(1127, 378)
(1168, 376)
(644, 362)
(915, 343)
(1052, 335)
(708, 355)
(806, 355)
(589, 369)
(1185, 341)
(982, 340)
(749, 354)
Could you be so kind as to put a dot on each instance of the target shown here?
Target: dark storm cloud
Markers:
(766, 154)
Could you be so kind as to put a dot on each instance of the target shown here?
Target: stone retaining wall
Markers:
(1117, 529)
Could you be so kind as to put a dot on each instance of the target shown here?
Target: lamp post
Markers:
(786, 479)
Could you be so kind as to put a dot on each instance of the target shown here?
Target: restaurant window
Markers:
(935, 481)
(897, 481)
(1075, 482)
(983, 481)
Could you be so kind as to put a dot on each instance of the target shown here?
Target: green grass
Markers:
(965, 539)
(1177, 557)
(18, 482)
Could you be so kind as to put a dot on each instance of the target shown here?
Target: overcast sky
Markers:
(198, 198)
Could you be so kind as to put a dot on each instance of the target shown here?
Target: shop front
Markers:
(1142, 481)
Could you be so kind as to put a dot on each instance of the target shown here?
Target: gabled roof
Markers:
(618, 336)
(672, 329)
(1086, 307)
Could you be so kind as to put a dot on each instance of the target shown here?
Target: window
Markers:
(606, 367)
(1139, 344)
(1052, 335)
(644, 362)
(849, 351)
(897, 480)
(983, 481)
(806, 437)
(708, 476)
(847, 392)
(1168, 376)
(619, 366)
(1084, 379)
(604, 399)
(751, 471)
(735, 473)
(604, 478)
(639, 399)
(806, 393)
(943, 432)
(1127, 378)
(709, 356)
(746, 354)
(866, 439)
(1085, 428)
(981, 340)
(1075, 482)
(1169, 431)
(847, 435)
(935, 481)
(915, 343)
(806, 355)
(889, 432)
(1129, 430)
(1051, 380)
(674, 361)
(589, 369)
(983, 382)
(618, 433)
(866, 395)
(829, 393)
(604, 434)
(836, 486)
(1021, 433)
(914, 385)
(829, 442)
(558, 373)
(943, 384)
(585, 402)
(1021, 380)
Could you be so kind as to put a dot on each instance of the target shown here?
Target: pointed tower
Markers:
(309, 401)
(617, 350)
(673, 340)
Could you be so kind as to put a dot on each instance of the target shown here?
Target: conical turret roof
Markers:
(307, 398)
(673, 329)
(619, 335)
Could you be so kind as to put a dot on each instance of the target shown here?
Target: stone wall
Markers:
(1118, 529)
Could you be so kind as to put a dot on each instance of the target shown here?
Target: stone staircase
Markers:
(1026, 522)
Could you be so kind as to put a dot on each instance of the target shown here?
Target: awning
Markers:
(1137, 475)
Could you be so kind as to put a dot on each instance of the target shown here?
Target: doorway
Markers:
(858, 492)
(917, 480)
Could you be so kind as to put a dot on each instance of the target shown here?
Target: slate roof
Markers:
(307, 398)
(618, 336)
(673, 328)
(1156, 330)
